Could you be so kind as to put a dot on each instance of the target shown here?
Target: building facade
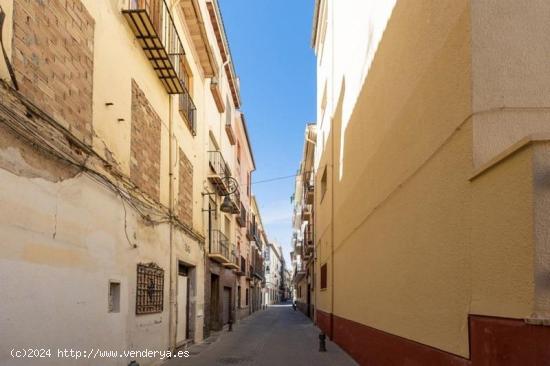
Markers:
(304, 227)
(258, 240)
(244, 250)
(432, 155)
(274, 267)
(123, 161)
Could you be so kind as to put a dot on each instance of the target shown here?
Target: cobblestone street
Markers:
(276, 336)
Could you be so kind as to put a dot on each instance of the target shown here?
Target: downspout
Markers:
(332, 188)
(171, 314)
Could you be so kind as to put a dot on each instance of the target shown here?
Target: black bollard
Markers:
(230, 326)
(322, 342)
(133, 363)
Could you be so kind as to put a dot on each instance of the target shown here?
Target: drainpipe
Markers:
(172, 302)
(332, 189)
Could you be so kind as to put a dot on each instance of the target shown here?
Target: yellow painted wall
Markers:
(417, 245)
(502, 242)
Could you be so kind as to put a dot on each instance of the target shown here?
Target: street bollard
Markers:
(230, 326)
(322, 342)
(133, 363)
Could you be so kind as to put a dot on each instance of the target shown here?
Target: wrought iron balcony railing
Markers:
(235, 199)
(153, 25)
(218, 246)
(300, 270)
(241, 263)
(241, 219)
(219, 171)
(258, 266)
(233, 261)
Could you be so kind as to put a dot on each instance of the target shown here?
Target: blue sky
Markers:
(270, 46)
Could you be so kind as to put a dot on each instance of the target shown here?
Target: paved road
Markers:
(276, 336)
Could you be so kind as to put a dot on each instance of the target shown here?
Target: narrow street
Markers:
(276, 336)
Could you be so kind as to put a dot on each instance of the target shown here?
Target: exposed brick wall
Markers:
(185, 191)
(145, 144)
(53, 60)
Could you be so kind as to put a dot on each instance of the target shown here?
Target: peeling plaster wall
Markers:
(61, 244)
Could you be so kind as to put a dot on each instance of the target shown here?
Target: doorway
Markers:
(182, 329)
(308, 300)
(226, 305)
(214, 300)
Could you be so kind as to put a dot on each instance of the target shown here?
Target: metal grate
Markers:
(152, 23)
(149, 289)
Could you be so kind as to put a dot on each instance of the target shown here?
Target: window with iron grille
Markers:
(324, 276)
(149, 289)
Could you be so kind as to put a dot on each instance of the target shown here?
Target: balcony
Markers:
(235, 201)
(308, 236)
(153, 25)
(309, 193)
(219, 247)
(298, 245)
(242, 268)
(241, 219)
(300, 271)
(229, 125)
(306, 213)
(257, 239)
(252, 230)
(258, 268)
(233, 261)
(219, 171)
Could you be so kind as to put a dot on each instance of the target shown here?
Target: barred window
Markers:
(149, 289)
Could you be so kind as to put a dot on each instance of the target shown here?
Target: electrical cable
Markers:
(280, 178)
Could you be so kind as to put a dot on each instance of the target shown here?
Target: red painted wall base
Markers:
(493, 342)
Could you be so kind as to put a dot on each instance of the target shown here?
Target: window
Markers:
(324, 183)
(324, 276)
(114, 297)
(149, 289)
(185, 75)
(228, 115)
(186, 105)
(246, 297)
